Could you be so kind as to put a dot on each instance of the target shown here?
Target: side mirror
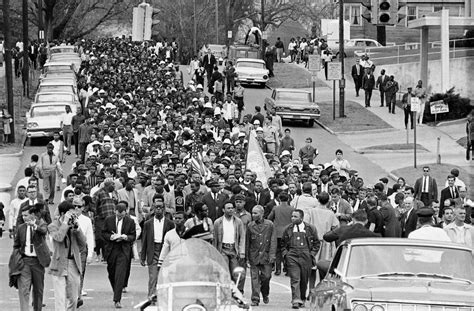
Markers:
(238, 271)
(337, 272)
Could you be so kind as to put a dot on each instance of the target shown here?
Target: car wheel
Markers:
(311, 123)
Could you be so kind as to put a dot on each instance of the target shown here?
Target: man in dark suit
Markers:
(357, 73)
(281, 217)
(409, 219)
(153, 234)
(214, 200)
(209, 61)
(450, 192)
(368, 84)
(31, 243)
(32, 194)
(119, 234)
(426, 189)
(380, 84)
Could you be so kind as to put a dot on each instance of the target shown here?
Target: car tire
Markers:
(311, 123)
(262, 85)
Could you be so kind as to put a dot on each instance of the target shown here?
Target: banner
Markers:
(438, 106)
(256, 161)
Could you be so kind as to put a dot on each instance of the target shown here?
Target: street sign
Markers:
(41, 35)
(438, 106)
(314, 62)
(415, 104)
(229, 34)
(334, 71)
(314, 78)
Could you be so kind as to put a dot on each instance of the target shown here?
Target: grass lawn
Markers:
(21, 106)
(359, 118)
(396, 147)
(290, 76)
(439, 172)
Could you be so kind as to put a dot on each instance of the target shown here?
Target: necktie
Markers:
(452, 193)
(31, 239)
(50, 159)
(258, 197)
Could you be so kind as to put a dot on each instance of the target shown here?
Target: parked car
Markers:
(63, 49)
(293, 104)
(50, 67)
(67, 57)
(57, 86)
(243, 51)
(43, 119)
(58, 97)
(251, 71)
(59, 74)
(356, 47)
(384, 274)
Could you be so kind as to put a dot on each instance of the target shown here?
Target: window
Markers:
(352, 14)
(411, 13)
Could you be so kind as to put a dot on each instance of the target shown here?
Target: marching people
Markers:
(391, 89)
(260, 245)
(119, 234)
(66, 264)
(381, 84)
(406, 104)
(300, 244)
(30, 242)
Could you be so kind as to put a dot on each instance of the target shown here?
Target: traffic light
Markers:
(385, 12)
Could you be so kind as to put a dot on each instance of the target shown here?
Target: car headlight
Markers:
(360, 308)
(194, 307)
(265, 77)
(32, 125)
(377, 308)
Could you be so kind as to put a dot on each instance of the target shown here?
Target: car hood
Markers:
(428, 290)
(243, 70)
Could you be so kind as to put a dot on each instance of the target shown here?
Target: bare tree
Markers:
(311, 12)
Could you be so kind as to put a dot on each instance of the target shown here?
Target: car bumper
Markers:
(251, 80)
(298, 116)
(42, 132)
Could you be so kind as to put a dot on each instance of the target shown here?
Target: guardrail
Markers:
(402, 52)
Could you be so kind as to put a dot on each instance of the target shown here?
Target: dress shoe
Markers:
(295, 306)
(301, 304)
(80, 302)
(254, 304)
(118, 305)
(277, 272)
(266, 300)
(124, 290)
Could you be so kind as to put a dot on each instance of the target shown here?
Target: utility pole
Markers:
(342, 82)
(8, 66)
(26, 67)
(194, 28)
(41, 34)
(262, 4)
(217, 22)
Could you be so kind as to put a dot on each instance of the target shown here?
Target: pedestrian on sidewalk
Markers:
(406, 104)
(381, 83)
(470, 135)
(280, 50)
(391, 89)
(357, 73)
(420, 92)
(326, 58)
(368, 84)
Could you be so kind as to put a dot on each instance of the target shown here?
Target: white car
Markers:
(251, 70)
(43, 119)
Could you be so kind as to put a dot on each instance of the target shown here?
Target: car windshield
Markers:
(41, 98)
(250, 65)
(55, 88)
(48, 111)
(293, 96)
(408, 260)
(63, 50)
(188, 287)
(56, 68)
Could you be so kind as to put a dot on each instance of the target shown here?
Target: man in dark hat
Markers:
(426, 230)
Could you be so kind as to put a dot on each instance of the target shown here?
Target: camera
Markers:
(73, 220)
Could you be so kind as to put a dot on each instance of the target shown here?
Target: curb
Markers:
(452, 122)
(391, 129)
(375, 151)
(325, 127)
(21, 144)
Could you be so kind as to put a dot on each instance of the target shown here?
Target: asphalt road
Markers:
(96, 283)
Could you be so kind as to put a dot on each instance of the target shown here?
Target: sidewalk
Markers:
(451, 152)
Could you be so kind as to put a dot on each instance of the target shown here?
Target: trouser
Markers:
(470, 146)
(368, 96)
(425, 198)
(279, 54)
(117, 263)
(153, 270)
(419, 115)
(129, 269)
(261, 275)
(99, 240)
(231, 123)
(208, 75)
(408, 115)
(83, 272)
(357, 85)
(382, 95)
(31, 275)
(82, 151)
(76, 142)
(67, 136)
(66, 288)
(230, 256)
(299, 267)
(279, 258)
(391, 100)
(230, 85)
(49, 182)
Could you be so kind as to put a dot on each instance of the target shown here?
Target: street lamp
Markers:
(342, 82)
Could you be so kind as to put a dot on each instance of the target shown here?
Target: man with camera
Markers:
(66, 266)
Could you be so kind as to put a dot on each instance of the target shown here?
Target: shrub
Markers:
(459, 107)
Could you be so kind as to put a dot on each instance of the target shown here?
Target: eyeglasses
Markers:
(78, 206)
